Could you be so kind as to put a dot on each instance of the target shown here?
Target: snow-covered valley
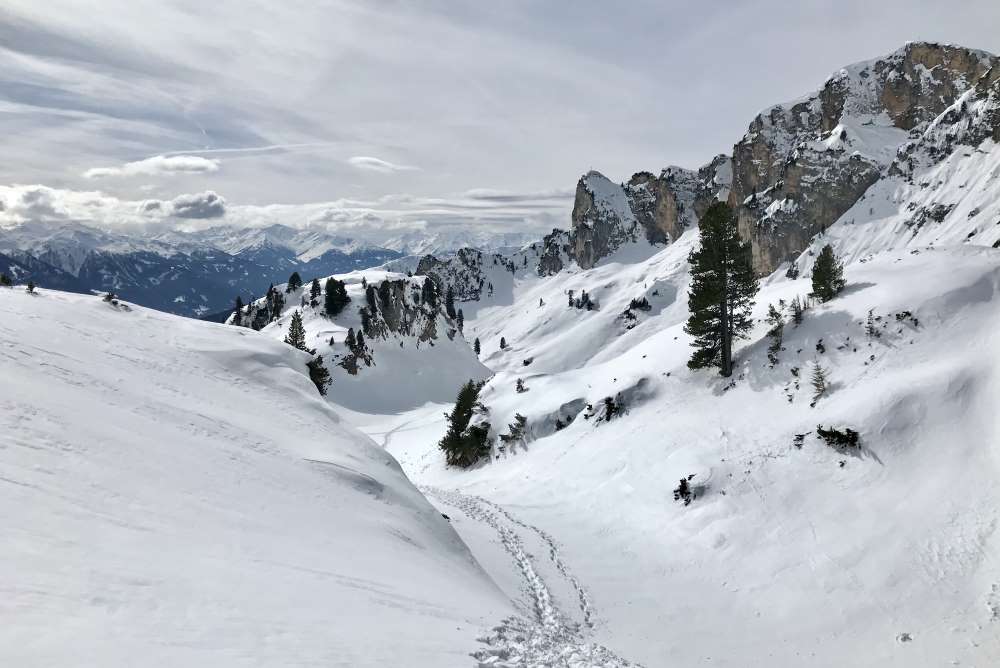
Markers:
(189, 493)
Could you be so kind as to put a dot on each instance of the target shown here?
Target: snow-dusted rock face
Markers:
(412, 352)
(801, 165)
(607, 215)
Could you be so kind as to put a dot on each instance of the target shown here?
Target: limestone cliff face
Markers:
(607, 215)
(801, 165)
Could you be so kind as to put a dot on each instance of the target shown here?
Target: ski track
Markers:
(550, 638)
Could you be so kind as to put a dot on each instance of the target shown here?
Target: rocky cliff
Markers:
(801, 165)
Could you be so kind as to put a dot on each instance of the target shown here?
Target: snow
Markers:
(184, 496)
(788, 557)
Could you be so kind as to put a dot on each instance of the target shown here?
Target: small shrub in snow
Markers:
(846, 439)
(503, 343)
(30, 288)
(798, 308)
(683, 491)
(519, 386)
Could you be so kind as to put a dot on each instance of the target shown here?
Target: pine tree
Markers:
(797, 310)
(361, 343)
(449, 303)
(465, 444)
(723, 286)
(5, 280)
(314, 291)
(238, 311)
(460, 320)
(30, 287)
(503, 343)
(871, 329)
(515, 430)
(828, 275)
(296, 336)
(319, 374)
(819, 382)
(428, 293)
(519, 385)
(336, 297)
(294, 282)
(476, 347)
(776, 319)
(351, 341)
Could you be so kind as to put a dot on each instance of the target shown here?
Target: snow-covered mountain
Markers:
(780, 547)
(189, 273)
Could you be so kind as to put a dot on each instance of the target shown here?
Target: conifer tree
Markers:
(476, 347)
(30, 287)
(828, 275)
(336, 297)
(296, 336)
(314, 291)
(503, 343)
(361, 343)
(819, 382)
(5, 280)
(797, 310)
(460, 320)
(351, 341)
(238, 311)
(294, 282)
(465, 444)
(723, 286)
(515, 430)
(449, 303)
(428, 293)
(776, 319)
(319, 374)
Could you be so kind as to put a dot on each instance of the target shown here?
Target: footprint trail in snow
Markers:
(552, 637)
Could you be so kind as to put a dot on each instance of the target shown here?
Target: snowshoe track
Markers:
(551, 638)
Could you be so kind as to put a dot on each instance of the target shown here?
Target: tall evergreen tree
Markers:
(336, 297)
(428, 293)
(819, 382)
(314, 291)
(5, 280)
(828, 275)
(296, 336)
(238, 311)
(460, 320)
(776, 319)
(723, 286)
(449, 303)
(476, 347)
(361, 343)
(294, 282)
(351, 341)
(465, 444)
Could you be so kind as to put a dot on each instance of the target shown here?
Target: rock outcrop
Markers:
(801, 165)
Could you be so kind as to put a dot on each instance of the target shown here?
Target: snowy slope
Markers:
(183, 496)
(788, 557)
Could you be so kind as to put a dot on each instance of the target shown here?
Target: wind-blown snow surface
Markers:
(177, 493)
(789, 556)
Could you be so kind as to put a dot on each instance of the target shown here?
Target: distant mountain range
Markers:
(188, 273)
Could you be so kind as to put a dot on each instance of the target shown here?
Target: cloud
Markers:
(199, 205)
(370, 164)
(36, 203)
(158, 165)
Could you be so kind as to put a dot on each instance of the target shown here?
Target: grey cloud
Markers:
(199, 205)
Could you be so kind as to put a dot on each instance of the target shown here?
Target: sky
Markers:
(389, 113)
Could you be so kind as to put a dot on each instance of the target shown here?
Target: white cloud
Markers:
(158, 165)
(198, 205)
(370, 164)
